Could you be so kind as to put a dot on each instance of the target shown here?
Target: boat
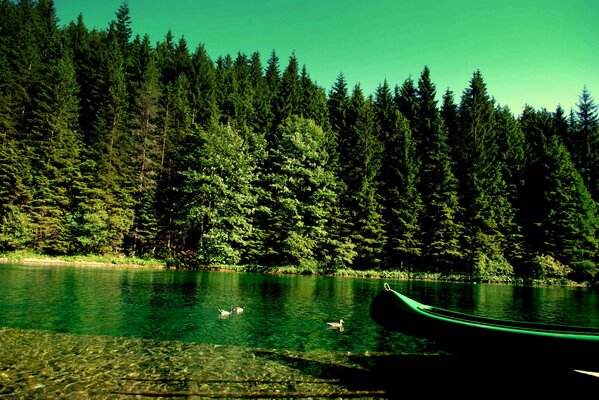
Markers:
(465, 334)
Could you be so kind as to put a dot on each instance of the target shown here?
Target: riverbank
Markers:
(133, 262)
(99, 261)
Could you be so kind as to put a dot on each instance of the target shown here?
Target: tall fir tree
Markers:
(489, 212)
(586, 141)
(302, 196)
(204, 107)
(441, 228)
(360, 153)
(55, 143)
(401, 198)
(143, 123)
(288, 98)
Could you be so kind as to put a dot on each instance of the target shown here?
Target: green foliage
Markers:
(109, 145)
(492, 269)
(216, 196)
(548, 268)
(302, 196)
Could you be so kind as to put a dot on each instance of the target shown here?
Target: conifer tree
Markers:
(113, 149)
(123, 27)
(438, 186)
(570, 221)
(288, 97)
(56, 143)
(489, 212)
(313, 101)
(586, 141)
(144, 125)
(203, 88)
(402, 201)
(360, 152)
(406, 100)
(302, 196)
(338, 105)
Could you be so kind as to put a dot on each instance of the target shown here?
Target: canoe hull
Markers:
(465, 334)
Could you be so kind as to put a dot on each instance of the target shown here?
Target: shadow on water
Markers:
(439, 375)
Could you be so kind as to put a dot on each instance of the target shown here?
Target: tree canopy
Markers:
(109, 144)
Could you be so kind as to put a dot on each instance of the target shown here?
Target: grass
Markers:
(116, 260)
(29, 256)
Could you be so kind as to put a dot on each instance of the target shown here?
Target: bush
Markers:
(548, 268)
(493, 269)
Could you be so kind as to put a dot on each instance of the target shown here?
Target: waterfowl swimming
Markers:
(336, 325)
(238, 310)
(223, 313)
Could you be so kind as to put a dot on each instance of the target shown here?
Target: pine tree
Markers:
(406, 100)
(360, 152)
(438, 186)
(288, 100)
(302, 196)
(586, 141)
(203, 88)
(144, 125)
(56, 145)
(123, 27)
(488, 208)
(402, 201)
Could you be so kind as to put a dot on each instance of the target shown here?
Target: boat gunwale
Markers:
(491, 324)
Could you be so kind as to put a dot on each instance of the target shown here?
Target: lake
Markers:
(110, 332)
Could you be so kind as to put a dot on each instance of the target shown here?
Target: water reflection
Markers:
(281, 312)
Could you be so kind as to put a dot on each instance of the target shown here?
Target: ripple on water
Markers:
(40, 364)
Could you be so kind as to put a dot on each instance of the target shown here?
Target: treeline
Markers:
(112, 145)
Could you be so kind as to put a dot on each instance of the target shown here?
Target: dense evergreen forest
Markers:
(110, 144)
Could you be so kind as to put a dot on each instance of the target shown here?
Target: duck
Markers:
(336, 325)
(223, 313)
(238, 310)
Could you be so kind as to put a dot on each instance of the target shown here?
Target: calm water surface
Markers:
(68, 311)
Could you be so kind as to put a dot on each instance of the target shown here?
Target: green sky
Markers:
(537, 52)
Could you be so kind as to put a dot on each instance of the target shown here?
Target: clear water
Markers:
(100, 332)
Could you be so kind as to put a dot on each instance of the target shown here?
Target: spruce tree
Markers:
(401, 198)
(55, 143)
(288, 98)
(586, 141)
(570, 221)
(144, 126)
(489, 212)
(360, 152)
(441, 228)
(406, 100)
(302, 197)
(338, 105)
(204, 108)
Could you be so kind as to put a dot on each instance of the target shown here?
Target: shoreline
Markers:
(60, 261)
(123, 262)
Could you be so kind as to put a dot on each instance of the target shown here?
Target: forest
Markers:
(111, 144)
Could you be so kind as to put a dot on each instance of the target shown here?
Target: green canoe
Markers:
(569, 346)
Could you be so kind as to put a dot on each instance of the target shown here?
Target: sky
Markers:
(536, 52)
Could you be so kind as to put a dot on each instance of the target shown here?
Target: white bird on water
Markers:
(336, 325)
(223, 313)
